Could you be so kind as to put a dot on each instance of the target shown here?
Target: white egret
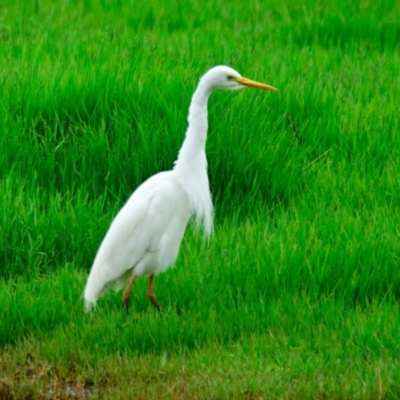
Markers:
(146, 234)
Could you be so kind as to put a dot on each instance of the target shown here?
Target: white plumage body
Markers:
(144, 237)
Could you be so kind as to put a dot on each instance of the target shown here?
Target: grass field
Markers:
(296, 296)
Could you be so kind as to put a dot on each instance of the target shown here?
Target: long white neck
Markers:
(191, 165)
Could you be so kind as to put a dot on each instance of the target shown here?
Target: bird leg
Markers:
(127, 292)
(151, 295)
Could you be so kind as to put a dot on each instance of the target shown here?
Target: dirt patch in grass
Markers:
(40, 380)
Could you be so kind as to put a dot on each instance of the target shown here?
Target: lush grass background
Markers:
(296, 295)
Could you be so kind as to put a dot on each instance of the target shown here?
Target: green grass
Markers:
(296, 295)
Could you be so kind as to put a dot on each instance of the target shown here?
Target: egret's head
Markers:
(227, 78)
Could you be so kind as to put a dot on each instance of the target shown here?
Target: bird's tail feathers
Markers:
(89, 305)
(100, 279)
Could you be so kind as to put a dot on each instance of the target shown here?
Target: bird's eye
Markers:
(229, 77)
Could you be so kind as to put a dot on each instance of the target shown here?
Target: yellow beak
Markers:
(254, 84)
